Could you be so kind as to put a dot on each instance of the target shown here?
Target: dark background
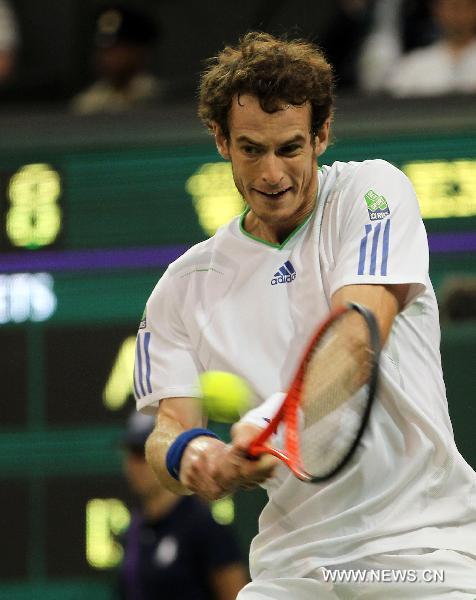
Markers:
(57, 36)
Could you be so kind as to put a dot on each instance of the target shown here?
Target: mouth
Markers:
(274, 195)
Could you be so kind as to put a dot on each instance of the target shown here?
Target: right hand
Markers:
(212, 469)
(208, 468)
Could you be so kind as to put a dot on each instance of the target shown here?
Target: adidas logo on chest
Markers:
(285, 274)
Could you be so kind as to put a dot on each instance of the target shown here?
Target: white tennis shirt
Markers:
(236, 303)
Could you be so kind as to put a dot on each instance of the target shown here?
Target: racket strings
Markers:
(334, 397)
(337, 368)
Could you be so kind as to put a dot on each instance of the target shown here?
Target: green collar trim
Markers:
(277, 246)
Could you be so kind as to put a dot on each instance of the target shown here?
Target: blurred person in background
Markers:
(446, 66)
(396, 27)
(382, 47)
(173, 549)
(368, 37)
(9, 39)
(458, 299)
(124, 40)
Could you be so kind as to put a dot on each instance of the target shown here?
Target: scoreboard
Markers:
(86, 230)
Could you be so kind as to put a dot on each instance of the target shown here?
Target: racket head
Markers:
(327, 407)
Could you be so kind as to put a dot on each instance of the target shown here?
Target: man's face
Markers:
(119, 63)
(273, 157)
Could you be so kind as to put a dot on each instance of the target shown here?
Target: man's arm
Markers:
(175, 415)
(209, 467)
(385, 301)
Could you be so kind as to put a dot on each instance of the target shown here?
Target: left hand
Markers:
(251, 472)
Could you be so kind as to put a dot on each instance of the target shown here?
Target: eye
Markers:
(290, 149)
(252, 150)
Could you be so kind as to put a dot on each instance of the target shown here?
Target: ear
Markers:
(322, 138)
(221, 141)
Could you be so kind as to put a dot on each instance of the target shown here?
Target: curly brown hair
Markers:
(274, 70)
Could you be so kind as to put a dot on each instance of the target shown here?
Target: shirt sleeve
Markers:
(166, 365)
(378, 236)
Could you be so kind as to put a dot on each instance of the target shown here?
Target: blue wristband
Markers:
(177, 448)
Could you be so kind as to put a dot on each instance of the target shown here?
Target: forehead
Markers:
(247, 118)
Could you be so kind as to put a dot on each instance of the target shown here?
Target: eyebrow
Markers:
(297, 138)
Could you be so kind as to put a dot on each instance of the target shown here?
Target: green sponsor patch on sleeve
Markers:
(377, 205)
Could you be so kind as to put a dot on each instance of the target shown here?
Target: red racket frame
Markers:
(288, 412)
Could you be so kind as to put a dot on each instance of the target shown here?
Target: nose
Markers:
(272, 172)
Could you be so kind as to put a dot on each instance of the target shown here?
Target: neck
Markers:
(276, 232)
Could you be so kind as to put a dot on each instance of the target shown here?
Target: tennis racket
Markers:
(327, 407)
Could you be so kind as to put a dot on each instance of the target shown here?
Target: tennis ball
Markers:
(225, 395)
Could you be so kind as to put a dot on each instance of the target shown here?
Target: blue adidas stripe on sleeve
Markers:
(370, 245)
(142, 366)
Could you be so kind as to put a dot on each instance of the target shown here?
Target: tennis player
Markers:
(402, 516)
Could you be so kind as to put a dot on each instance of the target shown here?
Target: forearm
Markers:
(157, 446)
(384, 301)
(206, 465)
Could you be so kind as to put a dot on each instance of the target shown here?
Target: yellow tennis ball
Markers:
(225, 395)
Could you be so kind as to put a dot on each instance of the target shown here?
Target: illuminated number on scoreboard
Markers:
(34, 216)
(444, 188)
(27, 297)
(106, 518)
(119, 385)
(215, 197)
